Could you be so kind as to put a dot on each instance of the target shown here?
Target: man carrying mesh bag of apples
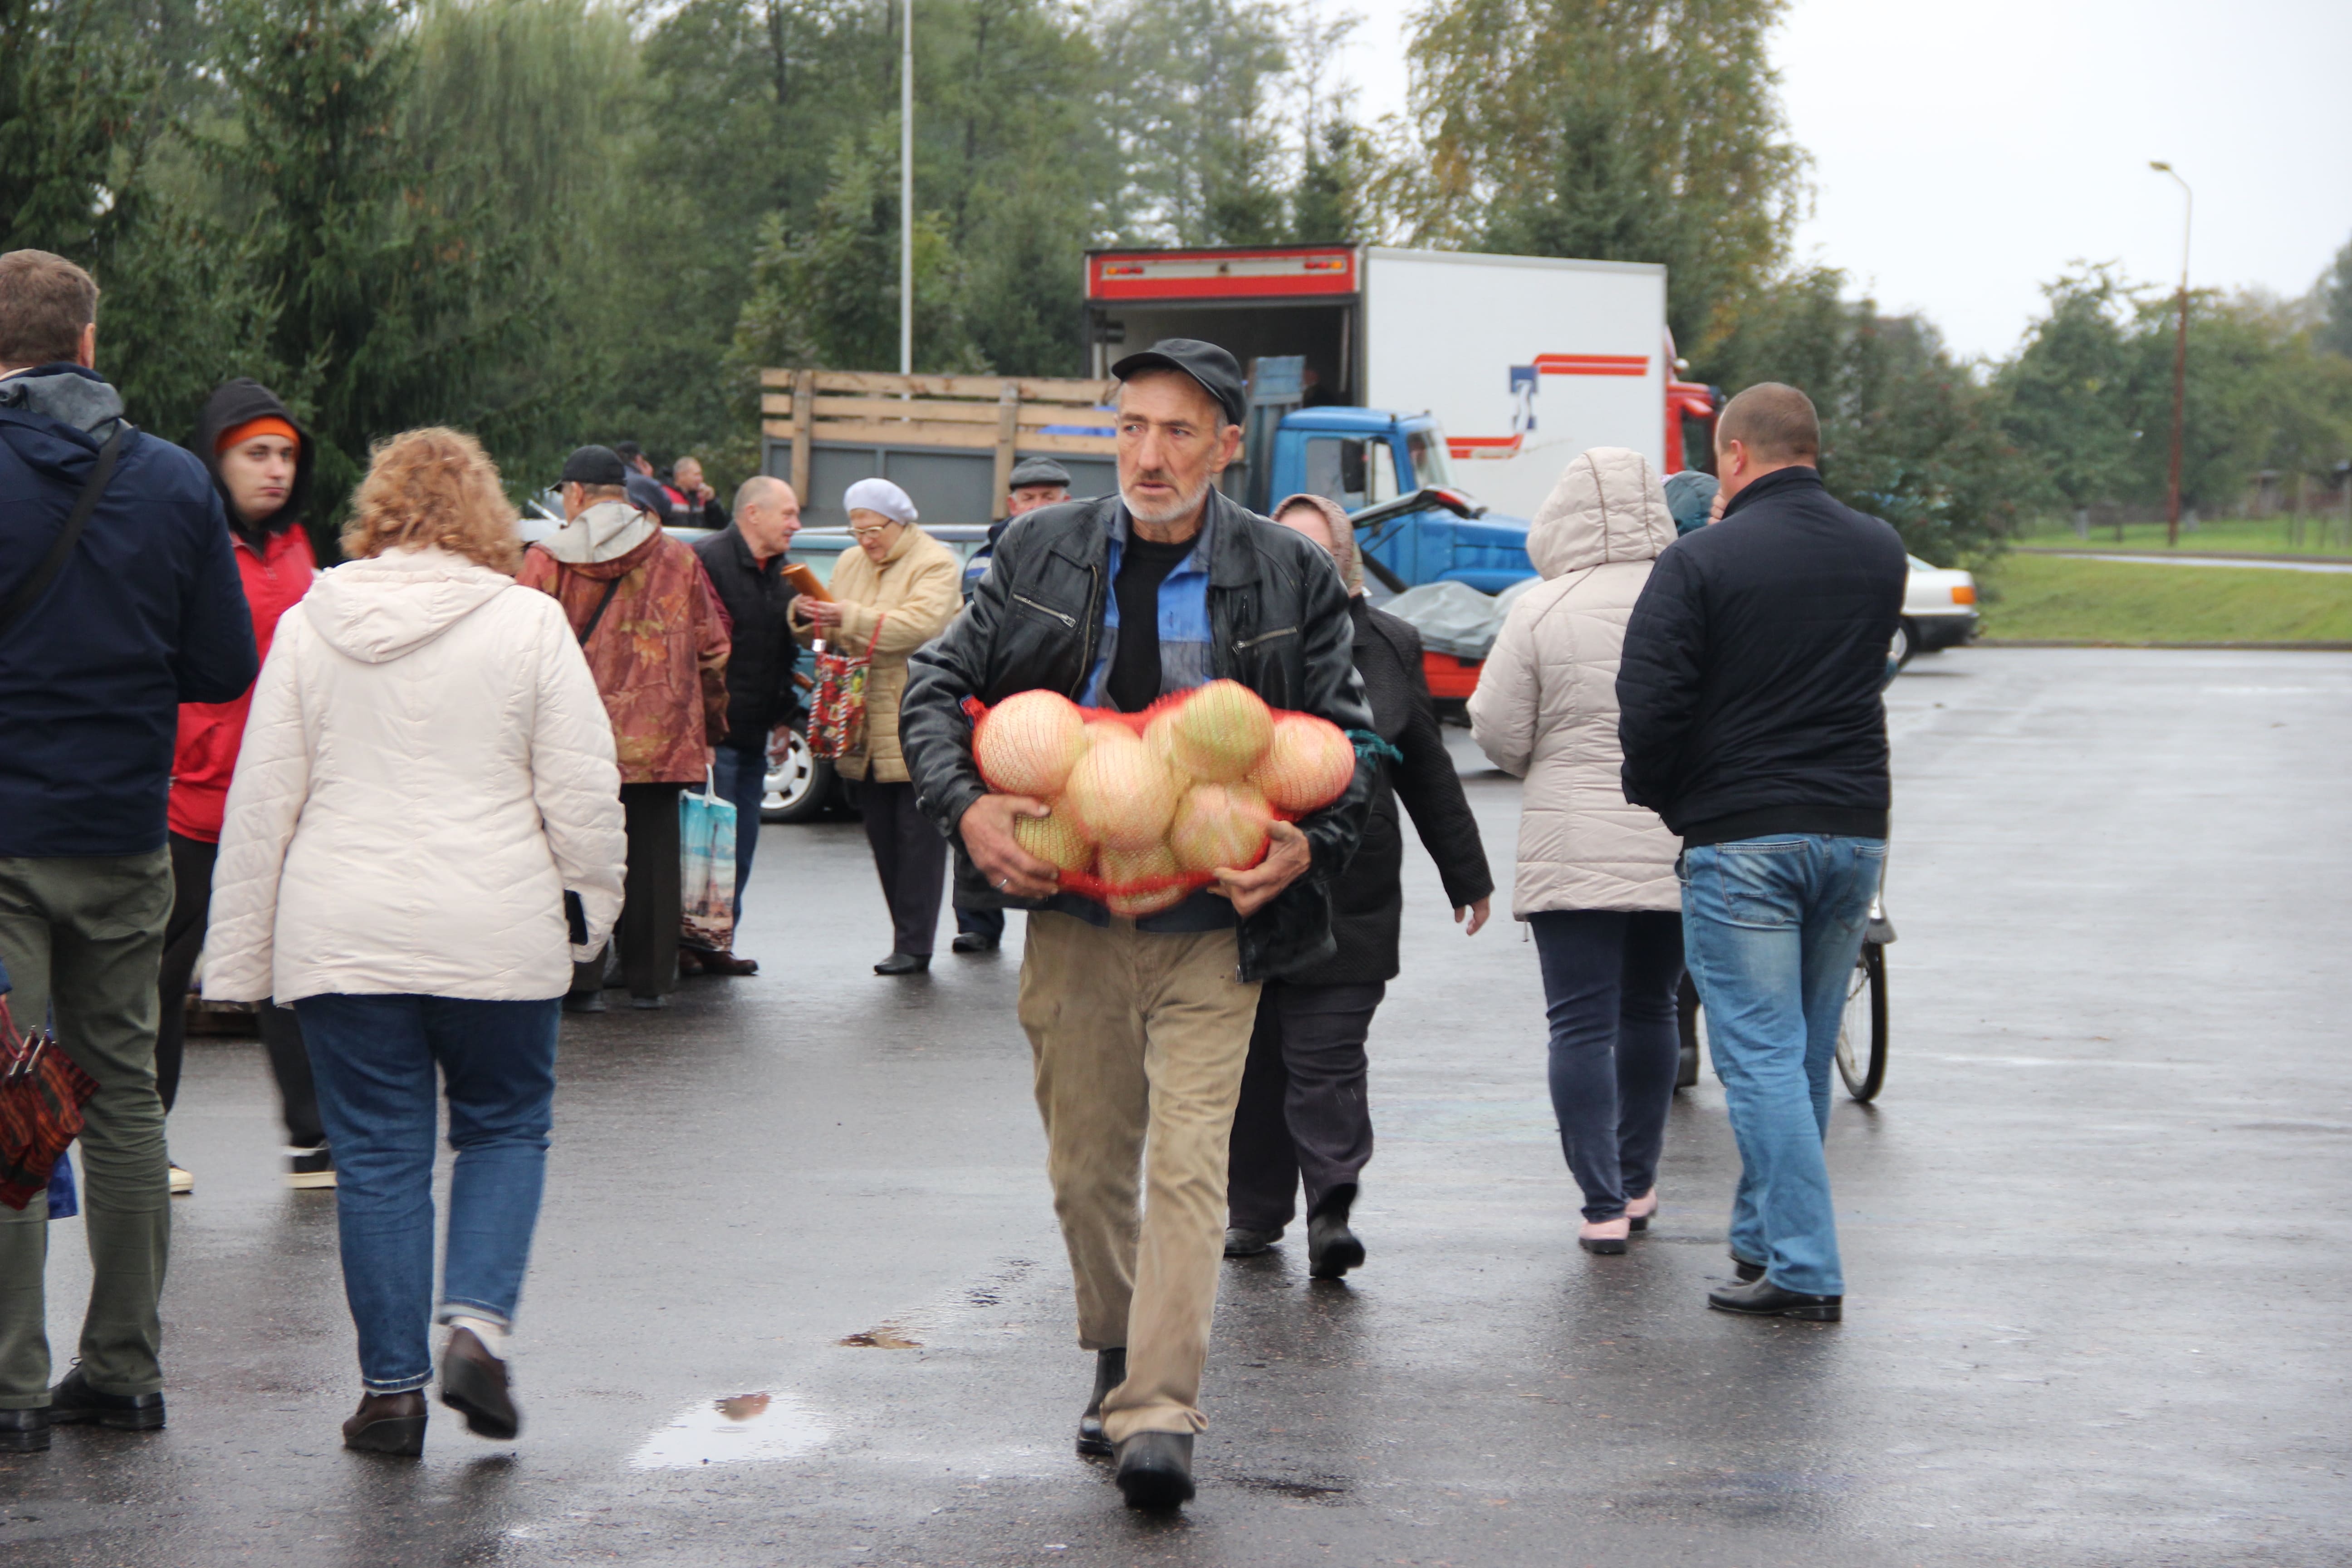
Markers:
(1163, 683)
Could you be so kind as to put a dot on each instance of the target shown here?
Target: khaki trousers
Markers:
(89, 935)
(1140, 1039)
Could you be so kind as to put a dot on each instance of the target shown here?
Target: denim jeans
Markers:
(1610, 977)
(1771, 928)
(742, 778)
(374, 1058)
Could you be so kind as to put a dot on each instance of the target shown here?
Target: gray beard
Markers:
(1174, 511)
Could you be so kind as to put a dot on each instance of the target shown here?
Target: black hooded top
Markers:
(231, 405)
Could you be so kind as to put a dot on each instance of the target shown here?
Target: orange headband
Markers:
(268, 425)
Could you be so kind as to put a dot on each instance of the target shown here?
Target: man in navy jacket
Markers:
(145, 614)
(1751, 722)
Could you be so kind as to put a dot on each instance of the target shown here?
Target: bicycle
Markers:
(1862, 1030)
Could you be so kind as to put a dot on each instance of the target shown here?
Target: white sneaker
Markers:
(310, 1167)
(183, 1183)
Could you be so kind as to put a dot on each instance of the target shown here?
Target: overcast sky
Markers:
(1963, 155)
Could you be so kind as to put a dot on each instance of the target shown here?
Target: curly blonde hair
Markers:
(434, 487)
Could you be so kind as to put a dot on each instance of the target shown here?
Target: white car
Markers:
(1939, 610)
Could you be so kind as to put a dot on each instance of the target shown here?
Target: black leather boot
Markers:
(1762, 1298)
(23, 1431)
(1110, 1371)
(1155, 1469)
(1331, 1247)
(74, 1400)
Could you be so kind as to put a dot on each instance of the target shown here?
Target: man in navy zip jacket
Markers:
(1752, 723)
(145, 614)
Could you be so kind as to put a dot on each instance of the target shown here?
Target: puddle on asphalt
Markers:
(743, 1428)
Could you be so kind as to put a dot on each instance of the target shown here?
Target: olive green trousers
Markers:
(88, 934)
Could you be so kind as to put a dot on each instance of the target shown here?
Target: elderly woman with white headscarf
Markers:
(1304, 1120)
(897, 590)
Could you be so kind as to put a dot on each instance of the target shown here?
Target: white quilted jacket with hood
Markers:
(426, 770)
(1545, 707)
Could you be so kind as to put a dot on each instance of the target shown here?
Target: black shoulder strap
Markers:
(612, 586)
(61, 550)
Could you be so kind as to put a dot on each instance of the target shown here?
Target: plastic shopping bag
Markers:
(705, 835)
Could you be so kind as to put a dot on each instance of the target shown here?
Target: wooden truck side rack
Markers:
(1009, 416)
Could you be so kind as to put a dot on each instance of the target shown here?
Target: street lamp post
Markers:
(2179, 354)
(907, 201)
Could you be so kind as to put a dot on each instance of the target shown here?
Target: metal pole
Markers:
(2180, 359)
(907, 198)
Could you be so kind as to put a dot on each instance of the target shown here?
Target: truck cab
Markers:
(1361, 457)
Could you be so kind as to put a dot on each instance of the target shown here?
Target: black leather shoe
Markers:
(388, 1424)
(1331, 1247)
(474, 1384)
(1748, 1272)
(1110, 1371)
(904, 964)
(973, 942)
(74, 1400)
(23, 1431)
(1762, 1298)
(1155, 1469)
(1243, 1242)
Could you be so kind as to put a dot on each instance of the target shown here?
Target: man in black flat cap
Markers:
(1139, 1026)
(1034, 482)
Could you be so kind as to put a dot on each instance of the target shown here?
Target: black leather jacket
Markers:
(1279, 618)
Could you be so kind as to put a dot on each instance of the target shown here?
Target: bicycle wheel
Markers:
(1686, 1026)
(1861, 1032)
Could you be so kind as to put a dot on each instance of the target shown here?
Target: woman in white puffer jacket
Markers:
(1596, 876)
(423, 832)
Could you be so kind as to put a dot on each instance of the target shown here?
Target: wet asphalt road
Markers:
(2096, 1235)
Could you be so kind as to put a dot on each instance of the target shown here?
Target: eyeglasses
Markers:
(872, 530)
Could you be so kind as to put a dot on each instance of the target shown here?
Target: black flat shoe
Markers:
(1331, 1247)
(585, 1002)
(23, 1431)
(1748, 1272)
(388, 1424)
(1762, 1298)
(74, 1400)
(1110, 1371)
(973, 942)
(904, 964)
(1243, 1242)
(1155, 1469)
(474, 1384)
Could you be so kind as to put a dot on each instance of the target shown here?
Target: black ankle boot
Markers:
(1155, 1469)
(1331, 1247)
(1110, 1371)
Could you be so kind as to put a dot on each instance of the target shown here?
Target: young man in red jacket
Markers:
(260, 460)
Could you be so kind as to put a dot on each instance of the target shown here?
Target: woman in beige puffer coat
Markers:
(1596, 876)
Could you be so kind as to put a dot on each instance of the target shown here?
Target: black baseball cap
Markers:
(594, 466)
(1038, 471)
(1217, 371)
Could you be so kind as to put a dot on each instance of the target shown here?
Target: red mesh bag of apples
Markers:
(1147, 806)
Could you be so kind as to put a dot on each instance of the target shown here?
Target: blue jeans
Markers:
(374, 1058)
(1771, 928)
(742, 778)
(1610, 977)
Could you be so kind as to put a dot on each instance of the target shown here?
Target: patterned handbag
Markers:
(836, 725)
(41, 1095)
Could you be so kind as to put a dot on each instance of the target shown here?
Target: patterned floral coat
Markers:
(658, 653)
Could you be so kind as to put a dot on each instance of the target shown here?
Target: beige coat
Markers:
(1545, 707)
(911, 598)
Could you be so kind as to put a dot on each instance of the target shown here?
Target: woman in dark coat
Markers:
(1303, 1115)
